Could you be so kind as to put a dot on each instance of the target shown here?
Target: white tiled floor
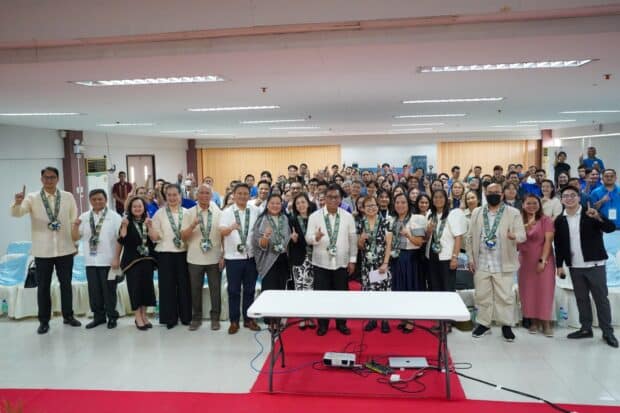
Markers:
(583, 371)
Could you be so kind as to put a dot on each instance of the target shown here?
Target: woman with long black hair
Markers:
(445, 235)
(300, 253)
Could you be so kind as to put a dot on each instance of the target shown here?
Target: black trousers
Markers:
(277, 276)
(64, 272)
(441, 277)
(593, 281)
(175, 299)
(101, 293)
(331, 280)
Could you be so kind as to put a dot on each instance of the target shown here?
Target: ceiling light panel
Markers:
(455, 100)
(259, 122)
(233, 108)
(548, 121)
(117, 124)
(42, 114)
(440, 115)
(554, 64)
(150, 81)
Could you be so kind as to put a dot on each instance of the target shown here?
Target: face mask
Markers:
(494, 199)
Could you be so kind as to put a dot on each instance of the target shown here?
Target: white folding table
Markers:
(384, 305)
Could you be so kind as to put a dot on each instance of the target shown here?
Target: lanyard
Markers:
(176, 229)
(53, 224)
(142, 248)
(438, 233)
(205, 231)
(243, 231)
(332, 234)
(491, 234)
(396, 228)
(372, 235)
(95, 230)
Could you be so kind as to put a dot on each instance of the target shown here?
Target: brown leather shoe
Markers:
(194, 325)
(215, 325)
(234, 327)
(251, 324)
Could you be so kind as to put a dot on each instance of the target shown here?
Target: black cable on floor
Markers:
(520, 393)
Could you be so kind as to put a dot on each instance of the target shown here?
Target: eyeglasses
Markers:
(570, 196)
(49, 177)
(372, 206)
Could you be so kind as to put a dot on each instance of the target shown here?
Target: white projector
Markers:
(339, 359)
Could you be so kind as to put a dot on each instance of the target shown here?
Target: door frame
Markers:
(152, 156)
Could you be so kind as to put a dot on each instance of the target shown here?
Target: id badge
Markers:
(612, 214)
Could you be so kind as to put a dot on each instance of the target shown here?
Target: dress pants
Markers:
(214, 278)
(44, 267)
(278, 275)
(331, 280)
(101, 293)
(240, 273)
(175, 299)
(441, 277)
(592, 280)
(494, 297)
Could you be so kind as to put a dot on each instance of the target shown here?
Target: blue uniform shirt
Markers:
(613, 204)
(589, 163)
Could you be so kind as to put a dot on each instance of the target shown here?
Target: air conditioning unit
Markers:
(96, 166)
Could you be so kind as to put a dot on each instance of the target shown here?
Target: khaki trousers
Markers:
(494, 297)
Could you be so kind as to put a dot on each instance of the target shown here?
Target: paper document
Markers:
(375, 276)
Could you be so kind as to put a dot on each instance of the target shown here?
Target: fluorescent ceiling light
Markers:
(576, 112)
(295, 127)
(258, 122)
(555, 64)
(112, 125)
(42, 114)
(419, 124)
(463, 100)
(600, 135)
(229, 108)
(547, 121)
(410, 130)
(183, 131)
(445, 115)
(513, 126)
(151, 81)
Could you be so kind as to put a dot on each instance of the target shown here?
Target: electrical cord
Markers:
(260, 352)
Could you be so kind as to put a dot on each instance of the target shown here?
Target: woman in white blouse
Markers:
(174, 286)
(552, 206)
(445, 234)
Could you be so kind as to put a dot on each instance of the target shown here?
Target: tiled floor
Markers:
(585, 371)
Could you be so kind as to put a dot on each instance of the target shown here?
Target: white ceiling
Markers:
(350, 83)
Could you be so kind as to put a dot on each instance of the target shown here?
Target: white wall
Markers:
(170, 154)
(607, 148)
(25, 151)
(368, 154)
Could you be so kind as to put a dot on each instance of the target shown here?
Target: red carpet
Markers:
(80, 401)
(305, 347)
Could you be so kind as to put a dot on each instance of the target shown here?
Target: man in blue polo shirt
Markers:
(592, 162)
(606, 198)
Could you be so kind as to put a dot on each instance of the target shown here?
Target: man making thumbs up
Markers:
(52, 214)
(331, 231)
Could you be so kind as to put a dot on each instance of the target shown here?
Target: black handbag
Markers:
(31, 276)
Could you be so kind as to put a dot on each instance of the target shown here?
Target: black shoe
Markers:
(170, 326)
(112, 324)
(385, 327)
(72, 322)
(321, 331)
(94, 324)
(43, 328)
(344, 330)
(480, 331)
(141, 328)
(581, 334)
(509, 336)
(148, 325)
(408, 328)
(401, 325)
(371, 325)
(611, 340)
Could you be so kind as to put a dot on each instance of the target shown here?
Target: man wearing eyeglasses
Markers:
(52, 213)
(579, 245)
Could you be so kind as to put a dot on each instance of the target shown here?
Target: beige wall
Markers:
(487, 154)
(227, 164)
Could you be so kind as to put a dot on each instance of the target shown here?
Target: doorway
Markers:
(141, 170)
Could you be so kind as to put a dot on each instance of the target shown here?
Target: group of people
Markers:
(393, 231)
